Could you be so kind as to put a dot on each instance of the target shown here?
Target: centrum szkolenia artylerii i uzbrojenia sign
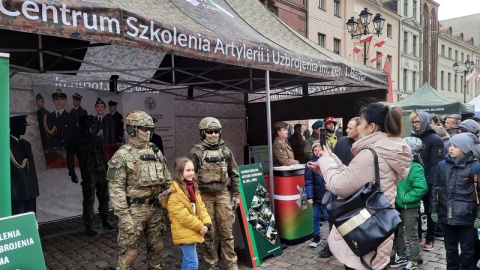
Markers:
(212, 30)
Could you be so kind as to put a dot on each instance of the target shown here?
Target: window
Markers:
(414, 9)
(321, 40)
(456, 55)
(442, 80)
(462, 57)
(414, 81)
(336, 8)
(405, 75)
(455, 83)
(442, 52)
(450, 53)
(321, 4)
(414, 46)
(449, 81)
(389, 30)
(405, 41)
(405, 8)
(379, 61)
(336, 46)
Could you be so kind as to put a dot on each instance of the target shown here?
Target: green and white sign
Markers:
(20, 246)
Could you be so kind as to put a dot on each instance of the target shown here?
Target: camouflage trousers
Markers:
(149, 220)
(220, 208)
(98, 185)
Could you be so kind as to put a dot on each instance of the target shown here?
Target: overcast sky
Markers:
(457, 8)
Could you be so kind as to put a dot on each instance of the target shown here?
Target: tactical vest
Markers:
(213, 167)
(144, 167)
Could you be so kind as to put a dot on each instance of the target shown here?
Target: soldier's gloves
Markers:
(74, 179)
(161, 197)
(434, 217)
(477, 223)
(235, 202)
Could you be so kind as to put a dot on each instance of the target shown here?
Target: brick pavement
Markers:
(66, 247)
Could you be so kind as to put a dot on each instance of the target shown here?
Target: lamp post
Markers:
(469, 66)
(365, 19)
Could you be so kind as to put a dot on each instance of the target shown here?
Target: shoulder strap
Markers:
(377, 171)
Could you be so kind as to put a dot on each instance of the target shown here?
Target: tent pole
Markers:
(270, 152)
(5, 189)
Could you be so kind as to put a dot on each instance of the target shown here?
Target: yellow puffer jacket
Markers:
(185, 224)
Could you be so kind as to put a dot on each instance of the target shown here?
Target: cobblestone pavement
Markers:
(66, 247)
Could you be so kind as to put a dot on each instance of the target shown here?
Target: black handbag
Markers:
(366, 218)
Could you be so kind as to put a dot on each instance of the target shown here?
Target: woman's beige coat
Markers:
(394, 160)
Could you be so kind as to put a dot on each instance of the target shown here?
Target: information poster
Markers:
(19, 240)
(257, 218)
(259, 154)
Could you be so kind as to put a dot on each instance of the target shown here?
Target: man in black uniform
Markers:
(117, 120)
(102, 125)
(22, 166)
(41, 111)
(77, 110)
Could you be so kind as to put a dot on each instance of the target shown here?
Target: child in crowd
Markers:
(315, 189)
(454, 202)
(409, 196)
(189, 217)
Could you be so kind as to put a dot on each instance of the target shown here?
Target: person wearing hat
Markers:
(297, 142)
(59, 125)
(103, 125)
(282, 152)
(24, 179)
(117, 121)
(454, 205)
(450, 121)
(77, 110)
(41, 111)
(470, 126)
(330, 124)
(315, 136)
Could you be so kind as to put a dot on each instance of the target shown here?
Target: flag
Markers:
(469, 77)
(477, 79)
(379, 56)
(380, 43)
(386, 68)
(357, 49)
(366, 38)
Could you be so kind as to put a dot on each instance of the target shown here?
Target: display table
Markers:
(293, 213)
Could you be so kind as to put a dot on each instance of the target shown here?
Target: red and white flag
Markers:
(477, 79)
(380, 43)
(357, 49)
(469, 77)
(379, 56)
(386, 68)
(366, 38)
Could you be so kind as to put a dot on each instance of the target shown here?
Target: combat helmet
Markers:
(137, 119)
(208, 123)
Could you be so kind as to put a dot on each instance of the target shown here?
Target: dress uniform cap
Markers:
(38, 96)
(18, 120)
(59, 94)
(280, 124)
(77, 96)
(317, 124)
(100, 101)
(112, 103)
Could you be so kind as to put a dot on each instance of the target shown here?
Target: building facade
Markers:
(429, 23)
(292, 12)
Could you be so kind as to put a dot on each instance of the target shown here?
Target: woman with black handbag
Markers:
(379, 129)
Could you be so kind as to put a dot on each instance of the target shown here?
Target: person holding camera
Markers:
(282, 151)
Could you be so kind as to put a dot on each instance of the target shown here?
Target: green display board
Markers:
(256, 216)
(5, 190)
(20, 246)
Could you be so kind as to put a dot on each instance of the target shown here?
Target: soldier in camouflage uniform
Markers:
(93, 170)
(137, 174)
(312, 138)
(218, 182)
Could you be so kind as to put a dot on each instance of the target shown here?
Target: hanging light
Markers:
(378, 22)
(455, 66)
(352, 25)
(365, 16)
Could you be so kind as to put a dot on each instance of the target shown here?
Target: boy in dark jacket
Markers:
(409, 196)
(454, 203)
(315, 189)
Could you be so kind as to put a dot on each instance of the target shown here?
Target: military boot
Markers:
(107, 225)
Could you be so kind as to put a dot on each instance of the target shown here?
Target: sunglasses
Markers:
(212, 131)
(145, 129)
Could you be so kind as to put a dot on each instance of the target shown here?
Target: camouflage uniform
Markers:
(218, 182)
(93, 169)
(136, 174)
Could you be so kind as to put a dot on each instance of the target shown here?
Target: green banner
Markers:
(20, 246)
(257, 218)
(5, 190)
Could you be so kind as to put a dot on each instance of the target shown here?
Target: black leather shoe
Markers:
(90, 232)
(325, 252)
(107, 225)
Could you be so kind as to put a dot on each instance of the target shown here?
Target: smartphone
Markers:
(323, 136)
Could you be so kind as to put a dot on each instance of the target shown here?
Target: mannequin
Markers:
(23, 174)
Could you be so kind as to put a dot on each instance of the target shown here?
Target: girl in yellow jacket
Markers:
(189, 217)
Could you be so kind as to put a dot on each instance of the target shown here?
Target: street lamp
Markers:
(365, 18)
(469, 66)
